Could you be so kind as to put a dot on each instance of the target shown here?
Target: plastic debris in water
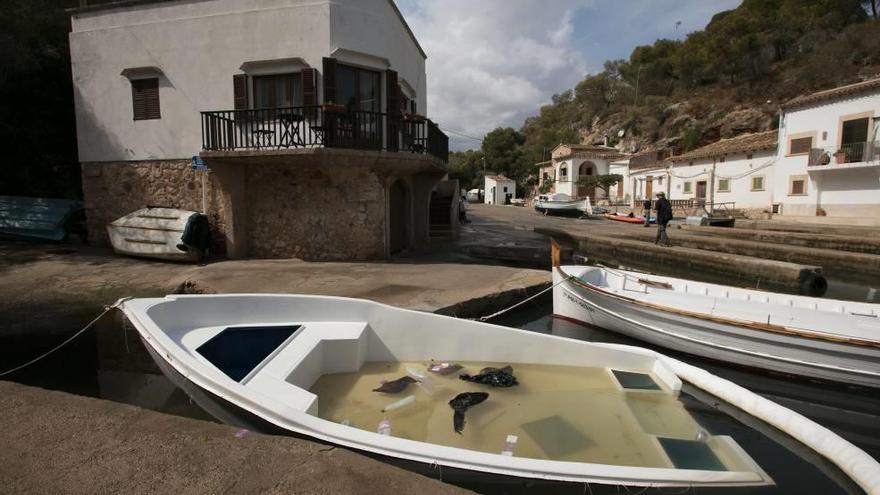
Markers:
(345, 422)
(461, 403)
(242, 433)
(494, 377)
(385, 427)
(444, 368)
(395, 386)
(509, 444)
(424, 380)
(409, 399)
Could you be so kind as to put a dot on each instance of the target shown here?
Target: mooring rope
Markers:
(505, 310)
(70, 339)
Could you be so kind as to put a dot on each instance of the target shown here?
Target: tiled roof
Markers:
(586, 151)
(497, 177)
(744, 143)
(849, 89)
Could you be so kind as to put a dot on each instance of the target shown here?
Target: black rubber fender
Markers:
(812, 284)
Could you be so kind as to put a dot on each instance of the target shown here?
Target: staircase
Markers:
(440, 227)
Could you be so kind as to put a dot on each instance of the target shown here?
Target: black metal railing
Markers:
(845, 153)
(319, 126)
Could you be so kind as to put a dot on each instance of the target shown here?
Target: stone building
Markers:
(309, 115)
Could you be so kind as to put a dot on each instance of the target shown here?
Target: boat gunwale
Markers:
(533, 468)
(779, 329)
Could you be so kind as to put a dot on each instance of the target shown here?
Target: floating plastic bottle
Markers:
(409, 399)
(385, 427)
(425, 382)
(509, 444)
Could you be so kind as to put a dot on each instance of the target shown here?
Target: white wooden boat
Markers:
(563, 205)
(265, 361)
(812, 337)
(153, 232)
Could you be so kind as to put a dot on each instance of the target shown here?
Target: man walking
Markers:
(664, 215)
(646, 210)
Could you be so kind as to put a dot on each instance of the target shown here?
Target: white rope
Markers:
(107, 309)
(493, 315)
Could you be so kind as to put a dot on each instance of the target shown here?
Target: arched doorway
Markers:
(398, 216)
(586, 168)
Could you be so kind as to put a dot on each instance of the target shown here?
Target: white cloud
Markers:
(493, 62)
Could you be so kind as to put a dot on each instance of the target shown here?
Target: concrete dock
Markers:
(54, 442)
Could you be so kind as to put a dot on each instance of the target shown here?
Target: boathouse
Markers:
(297, 126)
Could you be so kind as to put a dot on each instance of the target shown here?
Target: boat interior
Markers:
(830, 317)
(313, 362)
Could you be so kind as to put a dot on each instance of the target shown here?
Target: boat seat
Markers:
(287, 376)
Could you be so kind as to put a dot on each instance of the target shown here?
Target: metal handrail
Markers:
(866, 151)
(329, 126)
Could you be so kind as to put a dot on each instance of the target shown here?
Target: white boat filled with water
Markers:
(807, 336)
(161, 233)
(443, 391)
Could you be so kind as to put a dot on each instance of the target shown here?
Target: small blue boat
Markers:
(36, 218)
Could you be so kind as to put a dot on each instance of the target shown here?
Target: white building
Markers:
(736, 172)
(574, 161)
(499, 190)
(828, 161)
(309, 115)
(647, 175)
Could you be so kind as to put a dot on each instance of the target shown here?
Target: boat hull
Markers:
(627, 219)
(152, 233)
(790, 354)
(562, 208)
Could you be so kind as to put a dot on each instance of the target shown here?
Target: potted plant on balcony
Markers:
(412, 117)
(331, 107)
(840, 157)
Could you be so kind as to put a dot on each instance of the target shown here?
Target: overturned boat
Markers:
(43, 219)
(818, 338)
(421, 387)
(161, 233)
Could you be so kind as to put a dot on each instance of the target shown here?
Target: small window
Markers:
(748, 156)
(687, 187)
(563, 171)
(758, 183)
(722, 159)
(505, 188)
(723, 185)
(145, 98)
(800, 146)
(660, 180)
(797, 185)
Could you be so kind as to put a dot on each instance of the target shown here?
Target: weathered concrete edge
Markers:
(490, 303)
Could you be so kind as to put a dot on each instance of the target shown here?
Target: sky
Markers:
(492, 63)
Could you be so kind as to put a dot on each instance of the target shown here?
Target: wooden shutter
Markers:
(145, 98)
(800, 145)
(392, 95)
(239, 88)
(329, 80)
(310, 96)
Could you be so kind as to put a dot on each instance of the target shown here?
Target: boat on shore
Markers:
(42, 219)
(161, 233)
(629, 219)
(830, 340)
(374, 378)
(563, 205)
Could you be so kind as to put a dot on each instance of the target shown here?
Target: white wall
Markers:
(496, 196)
(738, 168)
(568, 184)
(199, 46)
(841, 191)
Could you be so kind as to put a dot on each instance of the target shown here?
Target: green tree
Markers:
(467, 167)
(603, 182)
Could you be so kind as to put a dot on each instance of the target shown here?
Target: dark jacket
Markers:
(664, 211)
(646, 204)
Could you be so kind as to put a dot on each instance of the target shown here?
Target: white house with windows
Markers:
(828, 162)
(574, 161)
(647, 175)
(499, 190)
(737, 172)
(309, 115)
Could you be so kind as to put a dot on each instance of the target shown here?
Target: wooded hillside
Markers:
(720, 82)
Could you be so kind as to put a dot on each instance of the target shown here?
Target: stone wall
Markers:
(114, 189)
(310, 213)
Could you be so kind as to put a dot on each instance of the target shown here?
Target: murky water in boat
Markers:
(563, 413)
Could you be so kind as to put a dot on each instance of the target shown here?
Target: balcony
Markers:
(847, 156)
(320, 126)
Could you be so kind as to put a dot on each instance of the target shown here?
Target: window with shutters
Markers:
(688, 188)
(358, 89)
(145, 98)
(758, 183)
(800, 145)
(797, 185)
(278, 91)
(723, 185)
